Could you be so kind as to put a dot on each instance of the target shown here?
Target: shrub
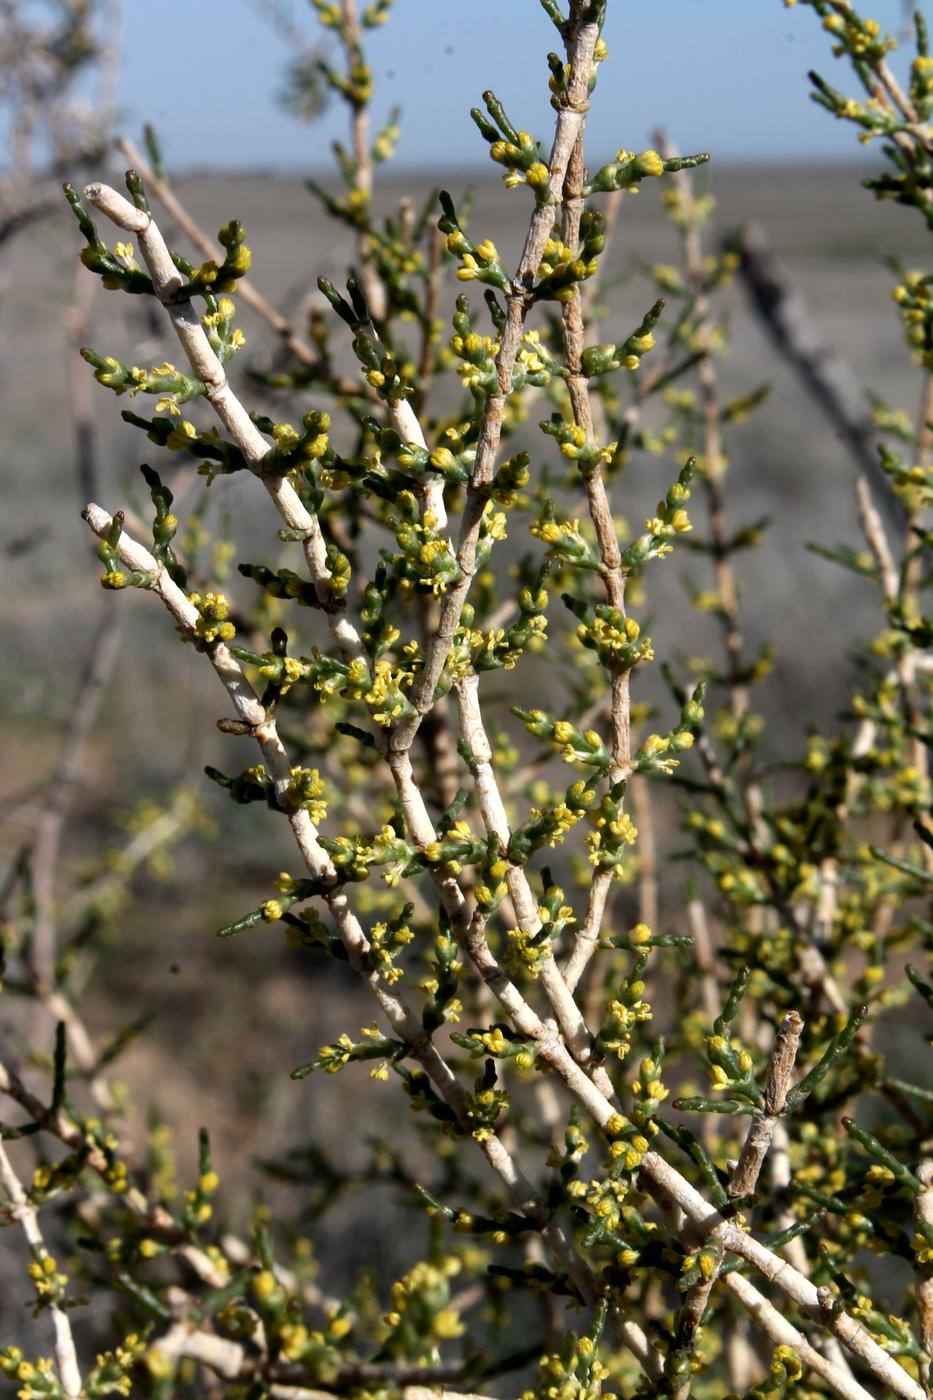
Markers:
(56, 56)
(587, 1232)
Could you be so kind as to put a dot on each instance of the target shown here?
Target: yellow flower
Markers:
(447, 1324)
(650, 163)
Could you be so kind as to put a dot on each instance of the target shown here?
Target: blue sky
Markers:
(727, 76)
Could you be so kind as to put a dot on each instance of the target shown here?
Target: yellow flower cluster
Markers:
(333, 1058)
(48, 1282)
(649, 1089)
(610, 836)
(862, 38)
(305, 789)
(181, 437)
(561, 819)
(476, 354)
(113, 1369)
(213, 623)
(386, 141)
(659, 748)
(386, 942)
(555, 532)
(530, 357)
(560, 1378)
(622, 1017)
(427, 1287)
(716, 1047)
(915, 298)
(38, 1378)
(385, 695)
(618, 639)
(524, 952)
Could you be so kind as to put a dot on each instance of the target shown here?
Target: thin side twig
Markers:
(568, 1015)
(205, 245)
(761, 1130)
(923, 1215)
(23, 1210)
(791, 327)
(783, 1333)
(742, 1181)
